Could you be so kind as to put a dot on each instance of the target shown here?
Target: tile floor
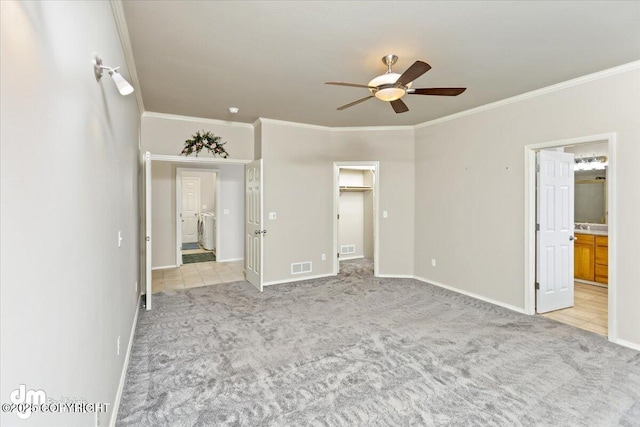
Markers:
(195, 275)
(590, 310)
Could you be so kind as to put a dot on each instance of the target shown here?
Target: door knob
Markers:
(256, 232)
(573, 238)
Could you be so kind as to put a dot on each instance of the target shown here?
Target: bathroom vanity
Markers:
(591, 253)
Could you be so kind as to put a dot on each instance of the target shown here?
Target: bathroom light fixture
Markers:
(234, 110)
(124, 87)
(590, 163)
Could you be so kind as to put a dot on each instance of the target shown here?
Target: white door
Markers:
(555, 231)
(254, 219)
(190, 209)
(147, 229)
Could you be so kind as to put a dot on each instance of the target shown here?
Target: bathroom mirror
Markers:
(590, 197)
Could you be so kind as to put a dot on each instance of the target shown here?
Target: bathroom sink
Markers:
(591, 228)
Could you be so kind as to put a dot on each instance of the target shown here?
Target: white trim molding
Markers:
(201, 160)
(628, 344)
(397, 276)
(125, 41)
(125, 366)
(168, 116)
(230, 260)
(297, 279)
(163, 267)
(472, 295)
(264, 120)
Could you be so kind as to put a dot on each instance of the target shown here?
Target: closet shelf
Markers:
(350, 188)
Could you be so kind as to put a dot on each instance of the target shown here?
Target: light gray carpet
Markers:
(358, 350)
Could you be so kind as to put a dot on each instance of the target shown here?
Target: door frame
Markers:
(179, 172)
(365, 165)
(146, 229)
(530, 221)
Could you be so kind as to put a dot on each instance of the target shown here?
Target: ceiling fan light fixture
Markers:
(386, 90)
(389, 94)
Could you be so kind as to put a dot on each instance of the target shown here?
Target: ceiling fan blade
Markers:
(416, 70)
(440, 91)
(348, 84)
(399, 106)
(351, 104)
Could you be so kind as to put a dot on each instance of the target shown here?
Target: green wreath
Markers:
(205, 140)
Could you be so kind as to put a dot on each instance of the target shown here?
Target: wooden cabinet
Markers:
(584, 257)
(602, 259)
(591, 258)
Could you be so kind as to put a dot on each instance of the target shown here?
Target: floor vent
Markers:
(301, 267)
(347, 249)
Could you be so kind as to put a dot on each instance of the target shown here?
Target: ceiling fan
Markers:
(392, 86)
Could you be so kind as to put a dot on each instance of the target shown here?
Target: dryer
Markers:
(209, 231)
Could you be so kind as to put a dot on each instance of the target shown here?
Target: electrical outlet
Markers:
(272, 215)
(324, 257)
(119, 239)
(433, 262)
(118, 346)
(385, 214)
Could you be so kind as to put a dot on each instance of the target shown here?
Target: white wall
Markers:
(470, 189)
(230, 181)
(298, 179)
(166, 134)
(69, 182)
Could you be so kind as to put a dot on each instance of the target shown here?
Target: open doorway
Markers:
(197, 219)
(355, 222)
(163, 269)
(591, 227)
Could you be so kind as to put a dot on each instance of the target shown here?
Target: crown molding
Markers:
(635, 65)
(333, 129)
(125, 41)
(167, 116)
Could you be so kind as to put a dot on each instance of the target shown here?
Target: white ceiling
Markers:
(271, 58)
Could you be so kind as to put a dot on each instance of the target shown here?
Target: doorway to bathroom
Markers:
(585, 298)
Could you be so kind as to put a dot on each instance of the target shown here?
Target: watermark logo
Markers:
(24, 402)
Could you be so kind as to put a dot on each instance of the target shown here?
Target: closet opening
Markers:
(355, 220)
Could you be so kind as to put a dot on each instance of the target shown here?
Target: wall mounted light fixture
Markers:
(590, 163)
(124, 87)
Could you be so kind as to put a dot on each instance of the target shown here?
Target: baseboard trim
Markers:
(347, 258)
(472, 295)
(628, 344)
(123, 375)
(163, 267)
(297, 279)
(396, 276)
(230, 260)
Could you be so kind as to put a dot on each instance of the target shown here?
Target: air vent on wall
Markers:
(347, 249)
(301, 267)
